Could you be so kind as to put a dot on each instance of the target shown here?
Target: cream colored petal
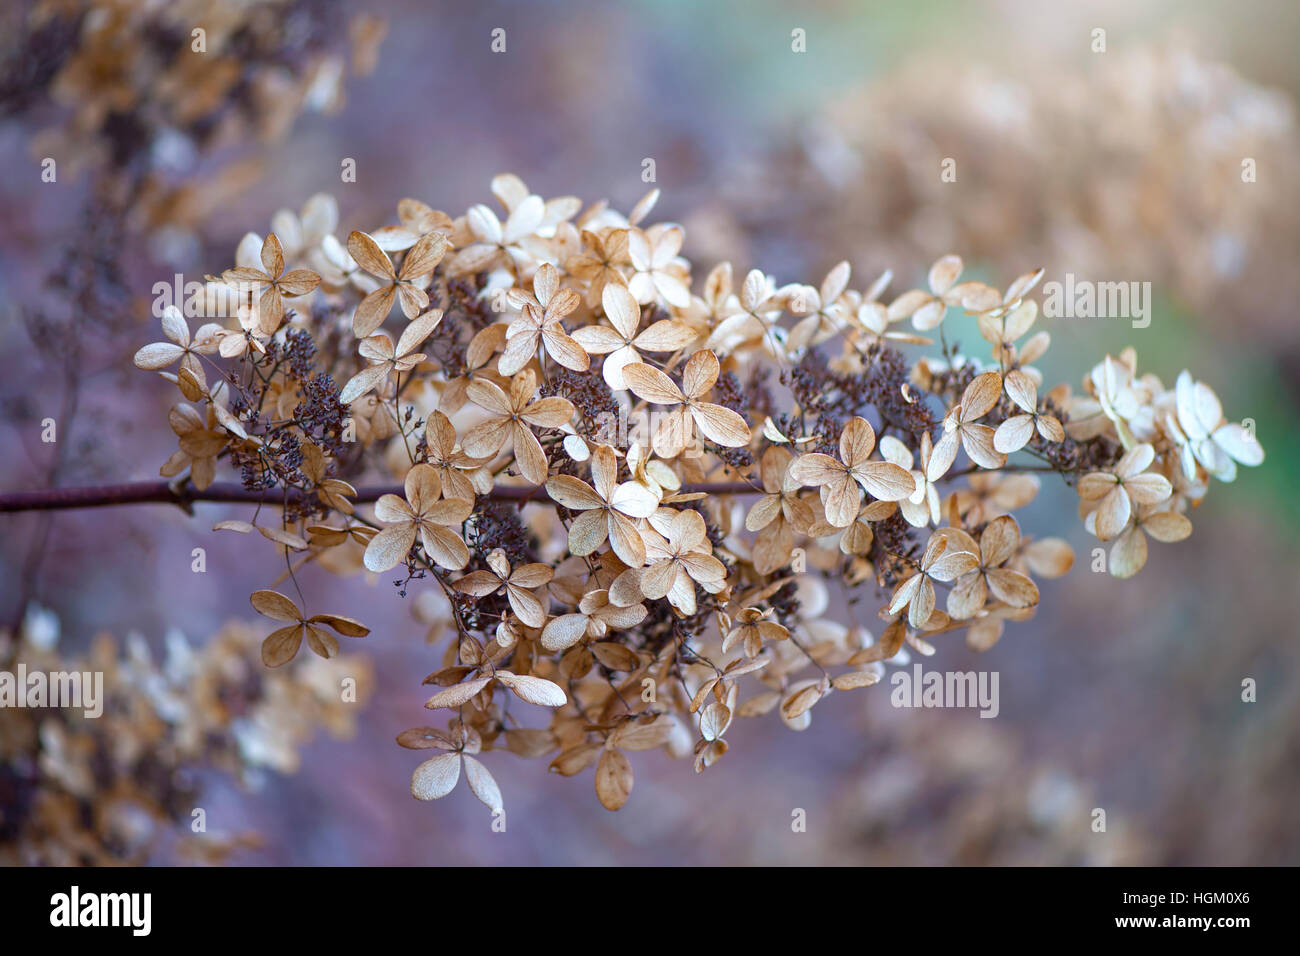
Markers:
(389, 547)
(1148, 488)
(1129, 553)
(1013, 588)
(588, 531)
(550, 412)
(841, 499)
(816, 469)
(700, 374)
(393, 508)
(634, 500)
(884, 480)
(485, 439)
(1112, 514)
(999, 541)
(526, 606)
(622, 310)
(967, 597)
(574, 493)
(977, 440)
(436, 777)
(564, 349)
(721, 425)
(1167, 526)
(529, 455)
(564, 631)
(980, 395)
(857, 441)
(626, 540)
(1013, 434)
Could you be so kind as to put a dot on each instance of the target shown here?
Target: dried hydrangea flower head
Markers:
(640, 502)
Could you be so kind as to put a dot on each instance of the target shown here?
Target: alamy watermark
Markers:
(62, 689)
(1084, 299)
(206, 299)
(946, 689)
(130, 910)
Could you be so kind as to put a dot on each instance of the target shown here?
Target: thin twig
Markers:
(185, 495)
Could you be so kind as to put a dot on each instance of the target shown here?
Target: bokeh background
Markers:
(1122, 165)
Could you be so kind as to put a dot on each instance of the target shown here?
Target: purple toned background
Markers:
(1122, 695)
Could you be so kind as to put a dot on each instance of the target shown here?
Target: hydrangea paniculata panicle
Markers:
(632, 497)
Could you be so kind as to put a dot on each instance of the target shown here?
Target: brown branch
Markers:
(185, 495)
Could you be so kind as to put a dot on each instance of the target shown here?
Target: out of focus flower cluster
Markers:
(123, 786)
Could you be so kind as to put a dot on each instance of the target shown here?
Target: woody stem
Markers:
(163, 492)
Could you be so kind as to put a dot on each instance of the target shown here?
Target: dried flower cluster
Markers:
(635, 493)
(111, 790)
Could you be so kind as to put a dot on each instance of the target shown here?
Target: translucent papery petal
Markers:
(600, 340)
(665, 335)
(485, 439)
(634, 500)
(1129, 554)
(389, 547)
(526, 606)
(816, 469)
(436, 777)
(444, 546)
(524, 220)
(1013, 434)
(704, 568)
(656, 580)
(1167, 526)
(574, 493)
(1021, 389)
(529, 455)
(682, 593)
(622, 310)
(672, 289)
(967, 597)
(999, 541)
(392, 508)
(626, 540)
(978, 442)
(885, 480)
(422, 487)
(615, 362)
(588, 532)
(1012, 587)
(857, 441)
(157, 355)
(274, 605)
(652, 385)
(1240, 443)
(564, 631)
(952, 564)
(1094, 485)
(1188, 412)
(841, 500)
(980, 395)
(1135, 461)
(1148, 488)
(564, 349)
(922, 605)
(721, 425)
(762, 513)
(1112, 514)
(700, 373)
(520, 349)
